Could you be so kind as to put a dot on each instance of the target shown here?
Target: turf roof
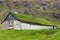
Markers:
(32, 20)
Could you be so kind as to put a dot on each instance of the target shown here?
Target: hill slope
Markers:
(29, 35)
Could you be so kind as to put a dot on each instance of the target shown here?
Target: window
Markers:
(10, 24)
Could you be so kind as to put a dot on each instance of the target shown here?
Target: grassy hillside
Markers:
(0, 26)
(56, 36)
(33, 10)
(47, 14)
(28, 34)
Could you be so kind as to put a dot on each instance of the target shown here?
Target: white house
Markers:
(11, 23)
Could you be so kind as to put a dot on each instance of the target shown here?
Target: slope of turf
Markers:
(30, 19)
(3, 15)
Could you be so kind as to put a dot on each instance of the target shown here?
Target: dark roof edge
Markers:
(5, 17)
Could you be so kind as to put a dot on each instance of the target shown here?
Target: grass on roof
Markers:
(2, 15)
(30, 19)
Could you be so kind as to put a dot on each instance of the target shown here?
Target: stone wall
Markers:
(17, 25)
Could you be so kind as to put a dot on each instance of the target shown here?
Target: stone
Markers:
(25, 3)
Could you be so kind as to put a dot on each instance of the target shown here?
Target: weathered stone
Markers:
(1, 2)
(55, 5)
(57, 16)
(25, 3)
(43, 5)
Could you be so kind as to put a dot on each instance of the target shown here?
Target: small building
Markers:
(11, 23)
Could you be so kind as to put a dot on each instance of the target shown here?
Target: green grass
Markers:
(46, 34)
(0, 26)
(30, 19)
(26, 34)
(46, 14)
(56, 36)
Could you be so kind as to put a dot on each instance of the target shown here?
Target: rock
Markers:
(26, 4)
(57, 16)
(1, 2)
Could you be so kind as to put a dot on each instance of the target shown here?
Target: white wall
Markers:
(37, 27)
(25, 26)
(17, 25)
